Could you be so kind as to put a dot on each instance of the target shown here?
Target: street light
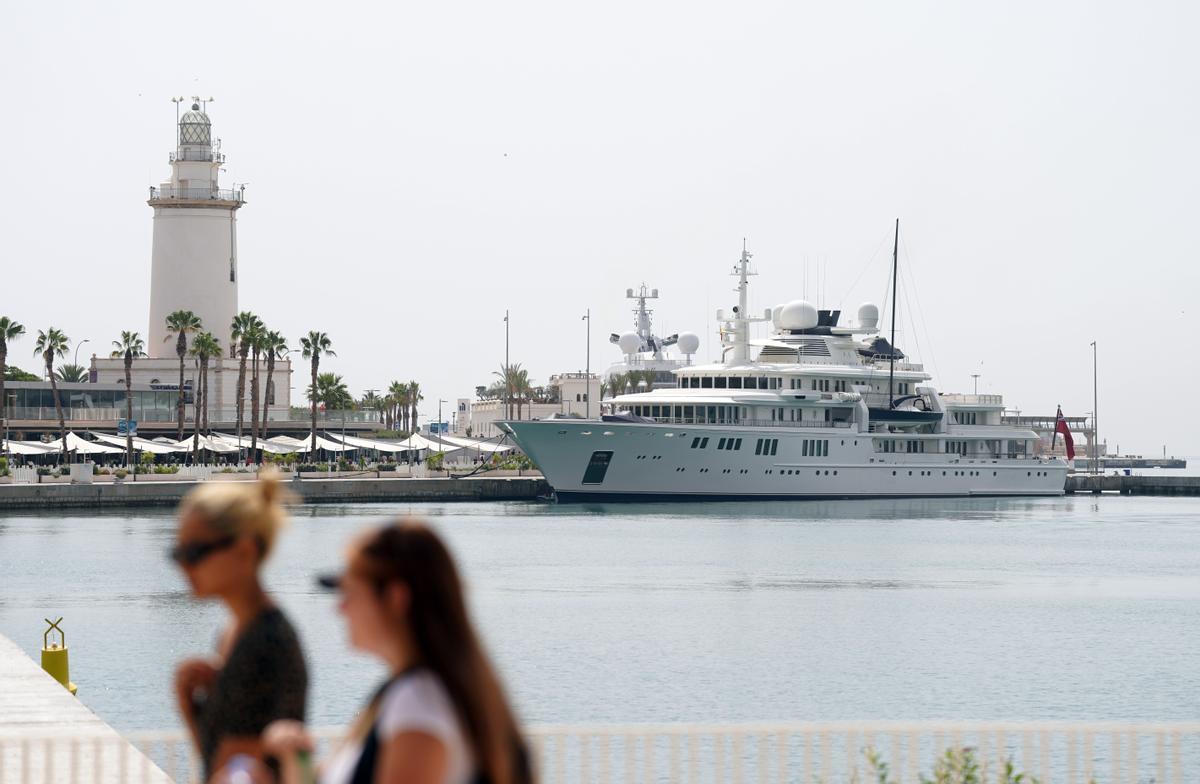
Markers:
(441, 425)
(587, 375)
(976, 377)
(77, 347)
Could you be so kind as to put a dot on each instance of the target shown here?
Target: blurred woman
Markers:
(257, 675)
(441, 717)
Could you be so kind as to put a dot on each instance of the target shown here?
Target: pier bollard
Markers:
(55, 659)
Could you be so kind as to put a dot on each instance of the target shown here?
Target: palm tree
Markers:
(508, 376)
(398, 392)
(313, 345)
(204, 347)
(129, 346)
(244, 324)
(522, 387)
(414, 399)
(9, 330)
(72, 374)
(331, 391)
(53, 344)
(180, 324)
(257, 339)
(274, 347)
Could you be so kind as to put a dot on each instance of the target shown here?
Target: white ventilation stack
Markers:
(194, 257)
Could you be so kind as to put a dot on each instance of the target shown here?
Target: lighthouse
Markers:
(194, 257)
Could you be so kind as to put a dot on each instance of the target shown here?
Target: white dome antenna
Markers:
(798, 314)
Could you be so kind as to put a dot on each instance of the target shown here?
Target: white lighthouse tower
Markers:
(194, 260)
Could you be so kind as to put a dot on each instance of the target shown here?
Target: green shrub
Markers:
(120, 473)
(955, 766)
(3, 466)
(43, 471)
(166, 469)
(386, 467)
(307, 468)
(344, 465)
(434, 461)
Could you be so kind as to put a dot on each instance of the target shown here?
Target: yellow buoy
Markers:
(54, 656)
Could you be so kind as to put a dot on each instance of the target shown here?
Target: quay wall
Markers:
(310, 491)
(1133, 485)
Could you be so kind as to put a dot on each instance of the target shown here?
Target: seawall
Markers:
(311, 491)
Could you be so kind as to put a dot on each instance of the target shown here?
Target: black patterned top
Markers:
(263, 679)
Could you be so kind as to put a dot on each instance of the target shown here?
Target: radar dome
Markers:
(629, 343)
(868, 315)
(689, 342)
(798, 314)
(775, 311)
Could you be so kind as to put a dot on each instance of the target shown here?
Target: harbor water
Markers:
(1084, 607)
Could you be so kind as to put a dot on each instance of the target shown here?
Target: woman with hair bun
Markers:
(441, 717)
(226, 532)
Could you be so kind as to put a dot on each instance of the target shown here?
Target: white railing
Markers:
(833, 752)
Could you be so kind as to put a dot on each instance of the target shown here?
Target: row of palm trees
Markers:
(397, 407)
(252, 341)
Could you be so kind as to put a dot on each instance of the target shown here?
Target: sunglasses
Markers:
(194, 553)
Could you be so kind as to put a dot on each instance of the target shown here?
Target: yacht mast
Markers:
(892, 351)
(741, 319)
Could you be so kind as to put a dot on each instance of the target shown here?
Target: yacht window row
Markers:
(771, 382)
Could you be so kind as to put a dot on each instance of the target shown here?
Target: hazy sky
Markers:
(415, 169)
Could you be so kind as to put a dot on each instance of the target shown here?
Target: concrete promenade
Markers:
(311, 491)
(34, 707)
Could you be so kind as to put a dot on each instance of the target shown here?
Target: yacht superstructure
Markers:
(820, 411)
(645, 353)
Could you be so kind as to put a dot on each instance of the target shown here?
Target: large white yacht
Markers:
(821, 411)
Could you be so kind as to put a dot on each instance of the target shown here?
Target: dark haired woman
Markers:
(442, 717)
(226, 531)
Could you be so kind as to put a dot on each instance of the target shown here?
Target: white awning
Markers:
(468, 443)
(325, 443)
(25, 448)
(211, 444)
(84, 447)
(289, 441)
(264, 444)
(142, 445)
(380, 446)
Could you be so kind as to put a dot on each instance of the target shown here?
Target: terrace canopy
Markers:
(25, 448)
(142, 444)
(84, 447)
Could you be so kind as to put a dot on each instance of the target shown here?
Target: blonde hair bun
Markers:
(242, 508)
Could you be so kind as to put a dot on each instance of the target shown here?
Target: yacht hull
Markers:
(587, 460)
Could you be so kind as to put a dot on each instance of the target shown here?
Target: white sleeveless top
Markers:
(417, 702)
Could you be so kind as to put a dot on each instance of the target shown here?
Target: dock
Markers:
(310, 491)
(1133, 485)
(48, 735)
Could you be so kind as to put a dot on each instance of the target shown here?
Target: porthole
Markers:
(835, 473)
(893, 473)
(818, 473)
(826, 473)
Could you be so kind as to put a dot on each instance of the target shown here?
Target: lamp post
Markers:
(507, 377)
(77, 347)
(1095, 415)
(976, 376)
(587, 374)
(441, 425)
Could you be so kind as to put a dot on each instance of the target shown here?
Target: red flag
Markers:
(1060, 426)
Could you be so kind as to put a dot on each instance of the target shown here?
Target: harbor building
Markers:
(194, 266)
(567, 394)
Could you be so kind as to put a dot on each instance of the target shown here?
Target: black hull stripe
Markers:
(571, 497)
